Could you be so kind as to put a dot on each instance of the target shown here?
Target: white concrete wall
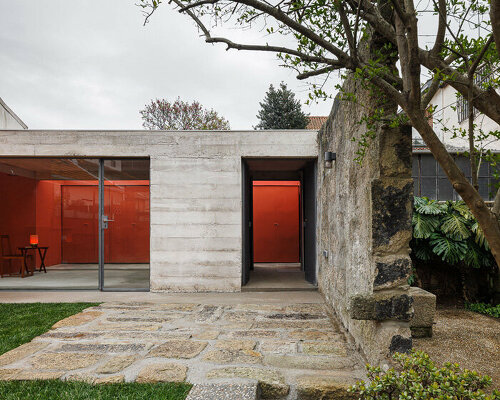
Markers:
(8, 119)
(196, 203)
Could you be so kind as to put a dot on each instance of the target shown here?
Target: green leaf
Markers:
(455, 226)
(473, 257)
(480, 239)
(422, 250)
(424, 225)
(425, 206)
(450, 251)
(462, 209)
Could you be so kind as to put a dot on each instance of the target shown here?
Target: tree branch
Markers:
(431, 91)
(495, 22)
(275, 49)
(399, 10)
(477, 61)
(321, 71)
(441, 33)
(347, 27)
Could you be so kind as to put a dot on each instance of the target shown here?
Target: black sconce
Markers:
(329, 158)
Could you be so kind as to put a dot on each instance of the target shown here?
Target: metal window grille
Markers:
(481, 78)
(430, 181)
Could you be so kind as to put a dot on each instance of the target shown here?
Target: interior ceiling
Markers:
(284, 164)
(74, 169)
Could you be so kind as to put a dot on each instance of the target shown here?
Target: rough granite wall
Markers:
(365, 229)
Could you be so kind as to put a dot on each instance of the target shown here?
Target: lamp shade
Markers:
(34, 240)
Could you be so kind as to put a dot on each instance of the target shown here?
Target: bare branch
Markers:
(274, 49)
(347, 27)
(321, 71)
(440, 36)
(196, 4)
(495, 23)
(429, 94)
(399, 10)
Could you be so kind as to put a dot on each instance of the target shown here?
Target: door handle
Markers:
(105, 221)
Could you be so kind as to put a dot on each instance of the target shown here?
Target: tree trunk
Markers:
(486, 219)
(495, 22)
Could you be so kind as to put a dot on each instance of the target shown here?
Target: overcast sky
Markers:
(88, 64)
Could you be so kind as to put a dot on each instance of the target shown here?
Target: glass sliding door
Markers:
(125, 224)
(49, 223)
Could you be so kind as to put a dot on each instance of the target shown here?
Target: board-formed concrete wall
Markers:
(365, 228)
(196, 194)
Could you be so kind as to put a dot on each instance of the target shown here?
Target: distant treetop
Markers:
(161, 114)
(280, 110)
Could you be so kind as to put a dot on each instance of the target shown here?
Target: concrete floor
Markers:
(277, 277)
(82, 276)
(20, 296)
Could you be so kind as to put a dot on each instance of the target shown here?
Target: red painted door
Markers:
(79, 224)
(127, 238)
(276, 221)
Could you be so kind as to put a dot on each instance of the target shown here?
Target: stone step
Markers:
(324, 387)
(224, 392)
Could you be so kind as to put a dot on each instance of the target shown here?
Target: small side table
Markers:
(42, 252)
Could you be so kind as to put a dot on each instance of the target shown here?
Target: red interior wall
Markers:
(17, 212)
(48, 220)
(64, 216)
(80, 224)
(128, 235)
(276, 221)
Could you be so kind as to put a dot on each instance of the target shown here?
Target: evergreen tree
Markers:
(280, 110)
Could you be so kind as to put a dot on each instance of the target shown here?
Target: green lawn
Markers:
(22, 322)
(59, 390)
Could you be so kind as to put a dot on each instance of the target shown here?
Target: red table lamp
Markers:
(34, 240)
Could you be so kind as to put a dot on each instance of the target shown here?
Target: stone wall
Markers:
(365, 228)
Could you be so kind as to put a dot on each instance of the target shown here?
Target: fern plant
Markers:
(448, 231)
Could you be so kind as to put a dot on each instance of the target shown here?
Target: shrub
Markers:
(448, 231)
(483, 308)
(417, 377)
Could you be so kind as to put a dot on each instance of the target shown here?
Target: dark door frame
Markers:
(102, 228)
(307, 176)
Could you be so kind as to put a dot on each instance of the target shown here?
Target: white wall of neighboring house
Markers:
(446, 115)
(8, 119)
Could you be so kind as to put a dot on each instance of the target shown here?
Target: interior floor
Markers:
(82, 276)
(277, 276)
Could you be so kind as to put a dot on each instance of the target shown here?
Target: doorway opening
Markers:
(279, 224)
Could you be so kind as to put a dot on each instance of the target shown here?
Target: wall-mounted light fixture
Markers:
(329, 158)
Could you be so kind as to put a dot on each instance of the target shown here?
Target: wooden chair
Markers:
(6, 254)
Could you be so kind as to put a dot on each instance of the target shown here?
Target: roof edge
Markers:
(13, 114)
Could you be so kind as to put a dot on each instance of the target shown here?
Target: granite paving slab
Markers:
(227, 351)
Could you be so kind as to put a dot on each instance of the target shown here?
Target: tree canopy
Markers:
(161, 114)
(280, 110)
(317, 37)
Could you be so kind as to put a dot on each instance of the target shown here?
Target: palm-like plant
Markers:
(450, 232)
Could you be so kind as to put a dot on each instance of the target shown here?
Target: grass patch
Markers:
(22, 322)
(48, 390)
(483, 308)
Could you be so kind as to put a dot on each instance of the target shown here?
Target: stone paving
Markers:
(291, 351)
